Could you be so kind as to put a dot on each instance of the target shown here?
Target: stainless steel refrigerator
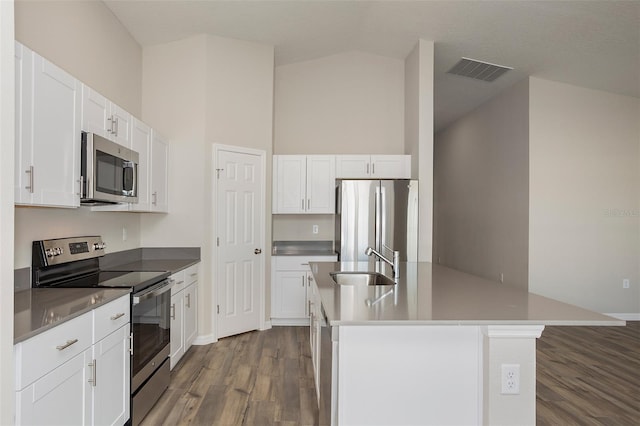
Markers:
(382, 214)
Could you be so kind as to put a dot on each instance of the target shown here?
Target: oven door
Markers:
(151, 321)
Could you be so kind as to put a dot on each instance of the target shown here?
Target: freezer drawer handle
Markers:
(66, 345)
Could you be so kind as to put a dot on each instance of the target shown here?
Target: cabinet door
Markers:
(111, 391)
(56, 136)
(96, 113)
(159, 173)
(291, 294)
(353, 166)
(177, 336)
(141, 143)
(23, 114)
(190, 314)
(121, 125)
(61, 397)
(321, 176)
(289, 183)
(391, 166)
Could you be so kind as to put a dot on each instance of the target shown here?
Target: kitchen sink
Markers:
(361, 278)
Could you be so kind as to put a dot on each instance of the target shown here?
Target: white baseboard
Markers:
(626, 316)
(290, 321)
(205, 340)
(266, 326)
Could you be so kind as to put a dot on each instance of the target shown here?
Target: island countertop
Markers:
(430, 294)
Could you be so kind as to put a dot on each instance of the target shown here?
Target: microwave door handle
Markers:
(125, 166)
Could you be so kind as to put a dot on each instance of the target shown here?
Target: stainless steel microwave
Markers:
(108, 172)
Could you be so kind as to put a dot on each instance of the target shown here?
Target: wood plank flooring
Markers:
(256, 378)
(586, 376)
(589, 376)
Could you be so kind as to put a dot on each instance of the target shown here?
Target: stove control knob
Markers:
(99, 246)
(57, 251)
(49, 252)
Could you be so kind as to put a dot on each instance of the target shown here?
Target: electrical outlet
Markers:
(625, 283)
(124, 233)
(315, 229)
(510, 379)
(501, 277)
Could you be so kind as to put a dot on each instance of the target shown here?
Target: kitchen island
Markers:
(432, 349)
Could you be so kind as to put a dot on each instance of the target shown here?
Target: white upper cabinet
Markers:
(159, 174)
(304, 184)
(104, 118)
(373, 166)
(141, 143)
(47, 139)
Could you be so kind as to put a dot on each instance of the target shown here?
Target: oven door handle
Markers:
(157, 290)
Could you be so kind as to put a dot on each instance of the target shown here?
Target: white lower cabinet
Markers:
(77, 373)
(184, 312)
(291, 281)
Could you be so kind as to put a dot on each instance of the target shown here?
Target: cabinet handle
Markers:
(131, 343)
(303, 204)
(155, 198)
(94, 368)
(66, 345)
(304, 264)
(308, 203)
(309, 307)
(195, 274)
(367, 168)
(180, 282)
(373, 168)
(117, 126)
(173, 311)
(116, 316)
(30, 187)
(188, 300)
(110, 120)
(303, 281)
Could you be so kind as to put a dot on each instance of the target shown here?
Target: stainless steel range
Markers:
(74, 262)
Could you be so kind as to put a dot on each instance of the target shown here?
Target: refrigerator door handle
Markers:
(378, 214)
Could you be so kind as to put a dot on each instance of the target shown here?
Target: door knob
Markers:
(257, 251)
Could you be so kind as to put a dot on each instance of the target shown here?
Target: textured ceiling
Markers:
(594, 44)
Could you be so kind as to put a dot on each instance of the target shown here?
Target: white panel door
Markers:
(240, 266)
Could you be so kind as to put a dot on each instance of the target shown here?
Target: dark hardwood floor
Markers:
(586, 376)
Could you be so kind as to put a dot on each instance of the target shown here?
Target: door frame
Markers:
(217, 147)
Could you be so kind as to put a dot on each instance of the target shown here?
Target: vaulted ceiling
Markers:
(594, 44)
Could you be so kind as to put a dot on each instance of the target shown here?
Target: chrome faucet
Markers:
(395, 263)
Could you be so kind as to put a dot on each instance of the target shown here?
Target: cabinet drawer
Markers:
(299, 263)
(191, 274)
(42, 353)
(178, 282)
(110, 317)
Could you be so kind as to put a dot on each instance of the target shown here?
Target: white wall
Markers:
(481, 174)
(349, 103)
(85, 39)
(200, 91)
(418, 125)
(7, 130)
(299, 227)
(584, 227)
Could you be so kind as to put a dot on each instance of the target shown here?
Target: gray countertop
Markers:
(40, 309)
(152, 265)
(433, 294)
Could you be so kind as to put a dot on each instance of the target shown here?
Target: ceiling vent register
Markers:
(478, 70)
